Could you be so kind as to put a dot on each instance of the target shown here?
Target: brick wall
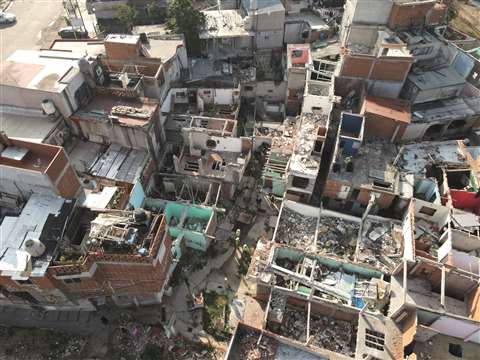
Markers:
(406, 16)
(373, 68)
(382, 127)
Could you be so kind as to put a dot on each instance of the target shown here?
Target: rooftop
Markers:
(25, 124)
(392, 108)
(446, 109)
(28, 155)
(206, 102)
(115, 162)
(245, 346)
(42, 70)
(224, 24)
(126, 111)
(314, 21)
(372, 163)
(434, 79)
(310, 129)
(416, 157)
(114, 235)
(263, 6)
(323, 278)
(32, 237)
(381, 243)
(85, 47)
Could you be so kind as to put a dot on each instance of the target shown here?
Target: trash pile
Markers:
(334, 335)
(249, 350)
(379, 246)
(337, 236)
(296, 230)
(294, 324)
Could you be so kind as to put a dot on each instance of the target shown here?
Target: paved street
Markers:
(33, 18)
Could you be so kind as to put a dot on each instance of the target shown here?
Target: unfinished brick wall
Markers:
(370, 67)
(383, 127)
(406, 16)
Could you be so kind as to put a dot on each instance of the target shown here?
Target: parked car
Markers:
(70, 33)
(7, 18)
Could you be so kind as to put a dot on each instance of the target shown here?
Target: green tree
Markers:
(184, 19)
(126, 15)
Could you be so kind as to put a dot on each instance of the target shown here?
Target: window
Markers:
(455, 350)
(374, 339)
(427, 211)
(300, 182)
(207, 92)
(24, 282)
(72, 280)
(297, 53)
(379, 183)
(457, 124)
(317, 110)
(248, 88)
(211, 144)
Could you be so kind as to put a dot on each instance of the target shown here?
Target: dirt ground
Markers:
(467, 19)
(29, 344)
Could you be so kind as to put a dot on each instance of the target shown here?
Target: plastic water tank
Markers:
(34, 247)
(49, 107)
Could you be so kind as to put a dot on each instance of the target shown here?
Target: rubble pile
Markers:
(379, 246)
(334, 335)
(296, 230)
(286, 263)
(337, 236)
(294, 324)
(278, 304)
(249, 350)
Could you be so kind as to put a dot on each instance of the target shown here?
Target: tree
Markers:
(184, 19)
(126, 15)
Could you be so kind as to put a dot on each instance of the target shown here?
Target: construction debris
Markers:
(337, 236)
(334, 335)
(251, 350)
(296, 230)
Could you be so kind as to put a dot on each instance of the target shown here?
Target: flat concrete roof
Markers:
(439, 78)
(224, 24)
(86, 47)
(27, 125)
(391, 108)
(42, 70)
(314, 21)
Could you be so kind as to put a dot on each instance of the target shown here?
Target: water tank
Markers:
(84, 66)
(49, 107)
(34, 247)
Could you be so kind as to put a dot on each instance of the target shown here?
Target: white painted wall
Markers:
(269, 39)
(313, 101)
(440, 216)
(198, 141)
(454, 327)
(372, 11)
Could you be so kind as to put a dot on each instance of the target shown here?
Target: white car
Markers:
(7, 18)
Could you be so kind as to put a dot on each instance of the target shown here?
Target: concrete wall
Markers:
(440, 216)
(267, 90)
(198, 140)
(314, 102)
(370, 11)
(270, 39)
(32, 98)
